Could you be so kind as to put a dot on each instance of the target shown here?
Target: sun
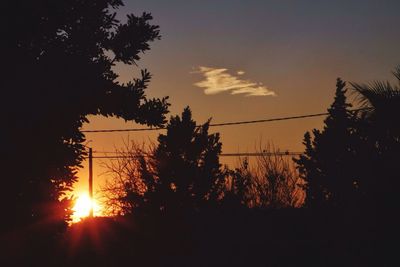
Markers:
(82, 207)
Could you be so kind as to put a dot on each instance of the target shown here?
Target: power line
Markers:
(269, 120)
(224, 154)
(217, 124)
(251, 154)
(124, 130)
(211, 125)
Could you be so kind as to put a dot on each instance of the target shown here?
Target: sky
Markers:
(235, 60)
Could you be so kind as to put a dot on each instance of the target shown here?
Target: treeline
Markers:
(353, 161)
(182, 172)
(350, 163)
(68, 50)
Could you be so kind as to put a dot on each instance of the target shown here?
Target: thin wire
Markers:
(211, 125)
(253, 154)
(218, 124)
(268, 120)
(287, 153)
(124, 130)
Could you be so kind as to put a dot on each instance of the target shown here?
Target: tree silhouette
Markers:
(187, 165)
(60, 68)
(382, 103)
(328, 163)
(381, 132)
(181, 173)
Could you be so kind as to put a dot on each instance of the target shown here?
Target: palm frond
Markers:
(376, 94)
(396, 72)
(362, 94)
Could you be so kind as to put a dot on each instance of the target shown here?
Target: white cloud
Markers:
(219, 80)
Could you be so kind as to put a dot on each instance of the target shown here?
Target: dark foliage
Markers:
(353, 162)
(188, 167)
(59, 58)
(380, 130)
(329, 164)
(181, 173)
(239, 188)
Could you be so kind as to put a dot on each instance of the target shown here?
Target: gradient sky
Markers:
(295, 49)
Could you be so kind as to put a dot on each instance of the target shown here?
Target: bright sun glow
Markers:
(82, 207)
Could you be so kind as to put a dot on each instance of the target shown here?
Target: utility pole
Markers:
(91, 182)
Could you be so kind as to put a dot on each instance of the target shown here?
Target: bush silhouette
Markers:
(271, 182)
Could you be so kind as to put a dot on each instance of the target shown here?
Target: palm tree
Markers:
(382, 102)
(379, 127)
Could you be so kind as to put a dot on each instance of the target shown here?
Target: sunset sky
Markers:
(236, 60)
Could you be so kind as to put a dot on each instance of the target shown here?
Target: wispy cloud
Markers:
(220, 80)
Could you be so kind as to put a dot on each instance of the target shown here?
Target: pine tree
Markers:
(187, 165)
(327, 164)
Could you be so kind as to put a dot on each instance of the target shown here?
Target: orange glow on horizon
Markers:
(82, 207)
